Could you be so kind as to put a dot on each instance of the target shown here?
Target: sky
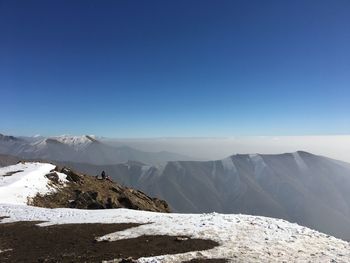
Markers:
(175, 68)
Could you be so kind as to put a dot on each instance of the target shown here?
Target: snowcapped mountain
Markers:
(86, 149)
(77, 142)
(234, 238)
(311, 190)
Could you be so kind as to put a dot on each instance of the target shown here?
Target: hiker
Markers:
(103, 175)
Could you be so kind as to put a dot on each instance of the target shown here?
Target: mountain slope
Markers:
(45, 185)
(6, 160)
(311, 190)
(80, 235)
(79, 149)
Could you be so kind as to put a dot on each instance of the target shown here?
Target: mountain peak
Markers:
(7, 137)
(76, 140)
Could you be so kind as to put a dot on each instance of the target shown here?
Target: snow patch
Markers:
(178, 166)
(213, 171)
(145, 171)
(300, 162)
(228, 164)
(160, 169)
(23, 181)
(259, 164)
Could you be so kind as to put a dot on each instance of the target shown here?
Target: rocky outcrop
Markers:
(89, 192)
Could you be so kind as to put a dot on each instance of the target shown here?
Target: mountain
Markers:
(114, 235)
(85, 148)
(311, 190)
(46, 185)
(6, 160)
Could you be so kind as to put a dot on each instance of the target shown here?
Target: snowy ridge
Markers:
(78, 142)
(20, 182)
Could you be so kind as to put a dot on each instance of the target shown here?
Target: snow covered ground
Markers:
(241, 238)
(21, 182)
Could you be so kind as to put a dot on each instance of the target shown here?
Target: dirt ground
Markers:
(76, 243)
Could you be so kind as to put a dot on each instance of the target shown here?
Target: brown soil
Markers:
(76, 243)
(88, 192)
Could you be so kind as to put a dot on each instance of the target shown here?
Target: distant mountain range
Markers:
(311, 190)
(300, 187)
(87, 149)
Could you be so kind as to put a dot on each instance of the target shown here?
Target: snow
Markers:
(178, 167)
(300, 162)
(77, 142)
(228, 164)
(27, 181)
(241, 238)
(145, 171)
(259, 164)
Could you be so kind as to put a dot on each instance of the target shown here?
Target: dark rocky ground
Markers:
(76, 243)
(88, 192)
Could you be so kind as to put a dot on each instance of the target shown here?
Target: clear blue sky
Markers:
(175, 68)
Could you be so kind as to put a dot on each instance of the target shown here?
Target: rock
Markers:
(95, 205)
(85, 192)
(53, 176)
(111, 204)
(92, 194)
(71, 176)
(126, 202)
(162, 204)
(86, 200)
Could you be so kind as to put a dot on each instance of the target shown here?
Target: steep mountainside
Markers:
(79, 149)
(6, 160)
(311, 190)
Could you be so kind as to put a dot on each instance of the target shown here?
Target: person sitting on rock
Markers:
(103, 175)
